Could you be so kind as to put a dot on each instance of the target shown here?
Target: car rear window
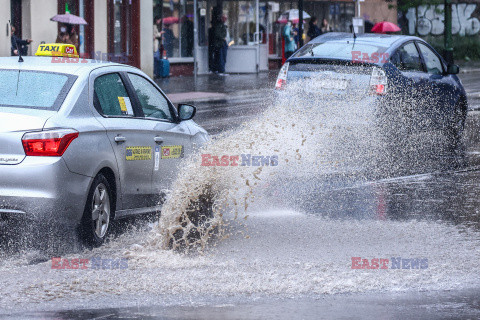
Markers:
(34, 89)
(344, 50)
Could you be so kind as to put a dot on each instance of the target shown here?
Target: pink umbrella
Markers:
(170, 20)
(69, 19)
(384, 27)
(284, 21)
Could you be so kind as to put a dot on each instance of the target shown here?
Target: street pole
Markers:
(300, 23)
(195, 42)
(448, 52)
(358, 9)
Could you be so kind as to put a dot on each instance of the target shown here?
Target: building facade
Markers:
(254, 32)
(117, 30)
(122, 30)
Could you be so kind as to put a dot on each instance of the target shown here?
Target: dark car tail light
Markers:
(50, 143)
(282, 77)
(378, 81)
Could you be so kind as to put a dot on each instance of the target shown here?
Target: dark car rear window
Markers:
(341, 49)
(34, 89)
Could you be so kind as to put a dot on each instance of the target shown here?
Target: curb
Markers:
(469, 70)
(183, 97)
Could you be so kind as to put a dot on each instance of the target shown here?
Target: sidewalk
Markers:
(213, 86)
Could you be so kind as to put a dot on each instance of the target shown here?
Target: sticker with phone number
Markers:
(172, 152)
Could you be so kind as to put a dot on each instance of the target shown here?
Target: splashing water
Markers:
(311, 138)
(322, 144)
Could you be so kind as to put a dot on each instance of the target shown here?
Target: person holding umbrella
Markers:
(68, 35)
(168, 39)
(288, 35)
(67, 32)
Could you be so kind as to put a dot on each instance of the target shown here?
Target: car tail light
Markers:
(378, 81)
(50, 143)
(282, 77)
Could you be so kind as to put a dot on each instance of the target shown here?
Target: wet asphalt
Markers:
(447, 192)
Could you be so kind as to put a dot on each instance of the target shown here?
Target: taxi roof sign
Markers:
(57, 50)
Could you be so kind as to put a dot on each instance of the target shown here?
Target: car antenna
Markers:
(20, 59)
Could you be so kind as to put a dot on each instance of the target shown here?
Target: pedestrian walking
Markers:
(18, 44)
(225, 45)
(157, 34)
(313, 29)
(211, 65)
(325, 26)
(296, 36)
(219, 35)
(187, 37)
(168, 40)
(289, 40)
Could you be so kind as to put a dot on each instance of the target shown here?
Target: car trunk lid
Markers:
(328, 76)
(14, 123)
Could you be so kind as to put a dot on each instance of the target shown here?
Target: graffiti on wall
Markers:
(428, 19)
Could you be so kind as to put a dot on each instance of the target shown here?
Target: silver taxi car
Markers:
(84, 142)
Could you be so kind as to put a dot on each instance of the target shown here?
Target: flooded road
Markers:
(293, 253)
(284, 262)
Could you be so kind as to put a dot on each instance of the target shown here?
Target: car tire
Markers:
(98, 213)
(200, 213)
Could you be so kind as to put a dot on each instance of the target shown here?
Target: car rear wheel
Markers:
(98, 213)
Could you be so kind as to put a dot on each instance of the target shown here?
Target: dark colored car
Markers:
(402, 77)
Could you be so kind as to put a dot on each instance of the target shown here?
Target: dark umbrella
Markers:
(68, 19)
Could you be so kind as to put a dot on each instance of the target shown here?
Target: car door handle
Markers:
(119, 139)
(158, 140)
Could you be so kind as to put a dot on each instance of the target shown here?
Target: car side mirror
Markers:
(453, 69)
(186, 112)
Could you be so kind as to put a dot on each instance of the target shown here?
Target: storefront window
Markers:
(241, 22)
(176, 26)
(240, 19)
(338, 15)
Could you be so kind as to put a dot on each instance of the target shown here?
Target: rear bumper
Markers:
(42, 189)
(333, 103)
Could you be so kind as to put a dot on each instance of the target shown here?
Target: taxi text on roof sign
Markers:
(57, 50)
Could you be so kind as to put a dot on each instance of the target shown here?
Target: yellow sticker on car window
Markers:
(172, 152)
(125, 105)
(138, 153)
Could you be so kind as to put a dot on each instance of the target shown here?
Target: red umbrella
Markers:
(170, 20)
(384, 27)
